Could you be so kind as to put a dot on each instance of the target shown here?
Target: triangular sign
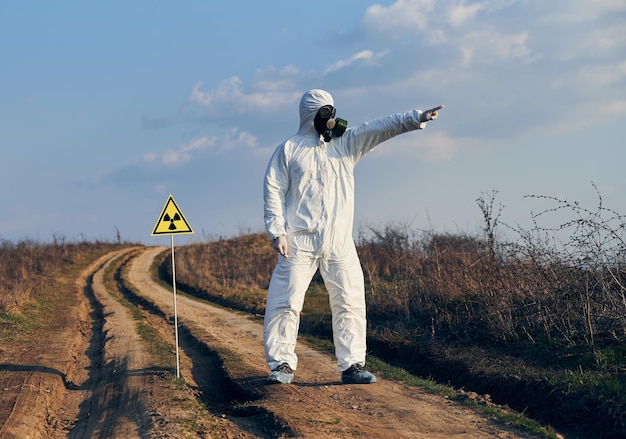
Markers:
(171, 221)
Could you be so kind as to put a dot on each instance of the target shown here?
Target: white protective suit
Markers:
(309, 197)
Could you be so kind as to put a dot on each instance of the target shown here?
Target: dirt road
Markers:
(95, 376)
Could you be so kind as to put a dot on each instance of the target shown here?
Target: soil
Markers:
(89, 373)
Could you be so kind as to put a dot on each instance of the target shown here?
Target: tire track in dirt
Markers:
(128, 393)
(202, 370)
(119, 377)
(316, 404)
(64, 367)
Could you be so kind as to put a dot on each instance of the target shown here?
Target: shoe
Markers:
(283, 374)
(357, 374)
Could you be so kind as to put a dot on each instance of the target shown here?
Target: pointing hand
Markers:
(430, 114)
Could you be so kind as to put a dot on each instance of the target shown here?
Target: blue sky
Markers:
(106, 108)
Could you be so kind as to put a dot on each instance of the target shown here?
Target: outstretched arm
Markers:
(366, 136)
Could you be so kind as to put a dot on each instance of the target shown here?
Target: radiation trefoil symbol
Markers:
(171, 220)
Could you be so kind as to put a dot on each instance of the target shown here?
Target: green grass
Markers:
(589, 381)
(14, 328)
(399, 374)
(18, 328)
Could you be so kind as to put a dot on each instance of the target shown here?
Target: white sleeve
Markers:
(275, 188)
(362, 139)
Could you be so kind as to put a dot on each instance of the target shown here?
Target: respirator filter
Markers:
(327, 125)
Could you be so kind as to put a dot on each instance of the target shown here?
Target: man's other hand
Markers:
(280, 245)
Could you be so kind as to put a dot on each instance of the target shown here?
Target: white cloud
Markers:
(402, 16)
(277, 80)
(269, 88)
(616, 107)
(187, 151)
(227, 97)
(579, 11)
(607, 75)
(462, 13)
(607, 38)
(366, 57)
(487, 46)
(182, 154)
(428, 145)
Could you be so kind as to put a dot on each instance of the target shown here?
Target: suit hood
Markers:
(310, 103)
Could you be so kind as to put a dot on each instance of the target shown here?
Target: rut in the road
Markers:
(216, 391)
(116, 380)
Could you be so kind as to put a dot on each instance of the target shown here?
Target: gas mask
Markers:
(327, 125)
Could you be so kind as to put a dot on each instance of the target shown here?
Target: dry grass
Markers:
(233, 272)
(28, 269)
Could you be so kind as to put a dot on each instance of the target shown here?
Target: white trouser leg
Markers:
(343, 277)
(285, 298)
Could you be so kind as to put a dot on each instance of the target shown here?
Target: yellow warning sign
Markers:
(171, 220)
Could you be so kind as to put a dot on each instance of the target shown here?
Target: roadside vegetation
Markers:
(30, 271)
(537, 323)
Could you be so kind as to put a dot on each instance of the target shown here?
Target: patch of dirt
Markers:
(91, 375)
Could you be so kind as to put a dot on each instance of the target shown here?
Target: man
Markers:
(309, 209)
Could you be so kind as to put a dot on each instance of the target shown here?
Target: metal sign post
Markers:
(171, 222)
(175, 309)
